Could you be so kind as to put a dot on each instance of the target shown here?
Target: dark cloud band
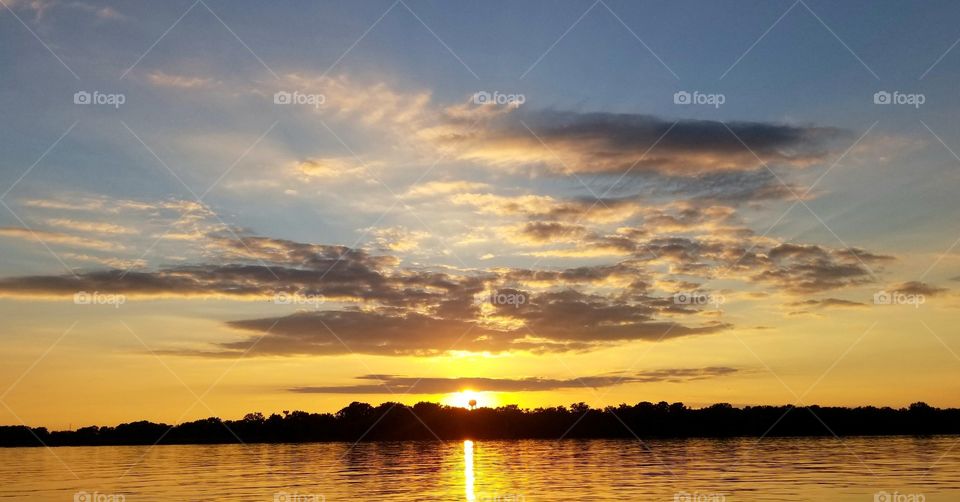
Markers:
(392, 384)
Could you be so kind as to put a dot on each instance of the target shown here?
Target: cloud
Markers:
(436, 188)
(397, 239)
(802, 268)
(397, 311)
(593, 245)
(701, 158)
(41, 7)
(90, 226)
(68, 240)
(106, 13)
(391, 310)
(918, 288)
(608, 143)
(825, 303)
(250, 265)
(733, 187)
(586, 325)
(372, 104)
(162, 79)
(260, 267)
(828, 302)
(699, 241)
(376, 305)
(547, 213)
(116, 232)
(112, 262)
(545, 207)
(327, 167)
(38, 7)
(574, 316)
(392, 384)
(620, 274)
(565, 142)
(107, 205)
(540, 232)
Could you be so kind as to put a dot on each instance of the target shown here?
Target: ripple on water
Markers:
(782, 469)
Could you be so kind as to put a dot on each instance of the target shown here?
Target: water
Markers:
(774, 469)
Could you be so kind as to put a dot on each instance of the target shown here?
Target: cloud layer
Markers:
(376, 306)
(392, 384)
(568, 142)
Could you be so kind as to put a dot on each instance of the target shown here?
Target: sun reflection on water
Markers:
(468, 470)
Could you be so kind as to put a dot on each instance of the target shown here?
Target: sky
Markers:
(211, 208)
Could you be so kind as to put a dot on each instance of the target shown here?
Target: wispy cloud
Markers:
(64, 239)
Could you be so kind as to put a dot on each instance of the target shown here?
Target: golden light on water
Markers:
(468, 470)
(470, 399)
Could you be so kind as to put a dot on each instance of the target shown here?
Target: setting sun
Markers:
(470, 399)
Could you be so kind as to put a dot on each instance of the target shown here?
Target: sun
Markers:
(470, 399)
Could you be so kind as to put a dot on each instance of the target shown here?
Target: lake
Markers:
(773, 469)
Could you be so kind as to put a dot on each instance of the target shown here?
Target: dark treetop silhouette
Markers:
(430, 421)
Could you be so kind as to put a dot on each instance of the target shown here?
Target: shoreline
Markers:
(430, 422)
(498, 440)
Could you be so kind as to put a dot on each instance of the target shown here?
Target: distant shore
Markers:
(430, 421)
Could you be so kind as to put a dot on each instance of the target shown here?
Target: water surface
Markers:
(773, 469)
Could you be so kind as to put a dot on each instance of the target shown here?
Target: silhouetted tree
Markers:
(429, 421)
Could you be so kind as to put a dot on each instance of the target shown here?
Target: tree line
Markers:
(430, 421)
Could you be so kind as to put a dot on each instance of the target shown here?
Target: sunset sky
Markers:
(192, 245)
